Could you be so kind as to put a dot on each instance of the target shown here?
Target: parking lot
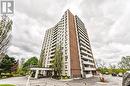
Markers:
(93, 81)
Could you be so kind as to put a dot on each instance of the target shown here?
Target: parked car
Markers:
(107, 73)
(114, 74)
(126, 79)
(120, 74)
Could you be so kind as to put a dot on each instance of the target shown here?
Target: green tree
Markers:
(124, 63)
(58, 62)
(101, 65)
(103, 70)
(8, 64)
(41, 59)
(32, 62)
(112, 69)
(5, 36)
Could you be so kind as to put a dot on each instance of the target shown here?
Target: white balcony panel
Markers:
(86, 52)
(89, 68)
(51, 55)
(86, 57)
(88, 75)
(49, 64)
(86, 62)
(85, 48)
(84, 42)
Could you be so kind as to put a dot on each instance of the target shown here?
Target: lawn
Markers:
(7, 85)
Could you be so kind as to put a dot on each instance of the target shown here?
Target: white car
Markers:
(120, 74)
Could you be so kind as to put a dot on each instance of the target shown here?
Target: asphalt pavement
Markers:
(93, 81)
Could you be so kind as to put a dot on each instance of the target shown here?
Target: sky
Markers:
(107, 23)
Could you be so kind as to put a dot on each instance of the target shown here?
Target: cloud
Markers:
(107, 23)
(27, 36)
(44, 11)
(108, 28)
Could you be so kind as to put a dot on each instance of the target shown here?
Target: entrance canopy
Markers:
(45, 70)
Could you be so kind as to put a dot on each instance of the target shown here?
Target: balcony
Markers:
(85, 43)
(84, 47)
(51, 55)
(85, 53)
(86, 57)
(54, 39)
(88, 75)
(82, 51)
(83, 35)
(53, 48)
(53, 45)
(87, 62)
(89, 68)
(82, 38)
(49, 64)
(89, 54)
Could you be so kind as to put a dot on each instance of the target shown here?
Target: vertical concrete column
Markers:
(91, 73)
(36, 74)
(52, 73)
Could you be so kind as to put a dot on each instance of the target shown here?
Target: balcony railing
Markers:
(89, 68)
(82, 46)
(86, 57)
(87, 62)
(85, 53)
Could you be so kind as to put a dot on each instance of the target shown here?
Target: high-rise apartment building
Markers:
(70, 33)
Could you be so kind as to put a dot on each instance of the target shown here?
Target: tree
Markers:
(58, 62)
(8, 64)
(100, 63)
(5, 36)
(2, 55)
(124, 63)
(21, 62)
(32, 62)
(112, 69)
(40, 61)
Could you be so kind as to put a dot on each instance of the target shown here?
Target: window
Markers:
(66, 58)
(66, 66)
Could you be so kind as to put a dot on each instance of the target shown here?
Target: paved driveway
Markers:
(94, 81)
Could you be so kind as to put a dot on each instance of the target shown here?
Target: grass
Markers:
(7, 85)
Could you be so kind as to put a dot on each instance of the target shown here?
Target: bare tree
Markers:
(112, 66)
(5, 34)
(124, 63)
(100, 63)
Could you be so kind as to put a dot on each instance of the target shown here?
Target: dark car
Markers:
(114, 74)
(126, 79)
